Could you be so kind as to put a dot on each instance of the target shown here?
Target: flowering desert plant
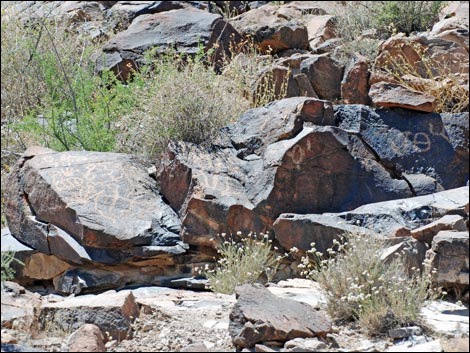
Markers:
(363, 287)
(243, 262)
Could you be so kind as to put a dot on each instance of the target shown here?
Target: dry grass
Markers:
(361, 287)
(243, 262)
(450, 89)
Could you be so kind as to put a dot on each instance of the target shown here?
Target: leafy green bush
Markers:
(362, 24)
(242, 262)
(362, 287)
(8, 273)
(408, 16)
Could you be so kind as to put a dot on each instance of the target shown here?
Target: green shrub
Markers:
(362, 287)
(408, 16)
(243, 262)
(362, 24)
(8, 273)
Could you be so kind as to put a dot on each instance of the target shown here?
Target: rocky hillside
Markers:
(153, 129)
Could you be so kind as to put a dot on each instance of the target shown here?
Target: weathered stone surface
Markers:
(355, 83)
(293, 230)
(183, 30)
(448, 261)
(448, 319)
(305, 345)
(391, 95)
(87, 338)
(403, 332)
(111, 311)
(410, 142)
(261, 316)
(272, 33)
(320, 29)
(438, 51)
(77, 205)
(411, 251)
(40, 266)
(275, 159)
(384, 217)
(132, 9)
(325, 75)
(18, 306)
(450, 222)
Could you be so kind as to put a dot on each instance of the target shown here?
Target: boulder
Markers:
(183, 30)
(355, 83)
(113, 312)
(450, 222)
(272, 33)
(260, 316)
(325, 75)
(414, 143)
(276, 159)
(411, 252)
(73, 204)
(80, 210)
(320, 29)
(299, 231)
(448, 261)
(87, 338)
(392, 95)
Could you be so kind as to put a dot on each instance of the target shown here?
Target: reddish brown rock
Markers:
(325, 75)
(409, 50)
(261, 316)
(320, 29)
(272, 33)
(449, 222)
(65, 197)
(390, 95)
(355, 84)
(87, 338)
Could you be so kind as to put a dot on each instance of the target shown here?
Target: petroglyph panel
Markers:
(103, 199)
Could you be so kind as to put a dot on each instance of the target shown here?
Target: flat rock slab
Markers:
(391, 95)
(384, 217)
(261, 316)
(446, 318)
(448, 261)
(111, 311)
(450, 222)
(89, 206)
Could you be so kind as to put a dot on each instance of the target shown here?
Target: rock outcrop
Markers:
(291, 157)
(96, 221)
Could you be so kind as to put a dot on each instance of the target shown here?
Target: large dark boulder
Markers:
(285, 157)
(412, 142)
(93, 209)
(289, 157)
(183, 30)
